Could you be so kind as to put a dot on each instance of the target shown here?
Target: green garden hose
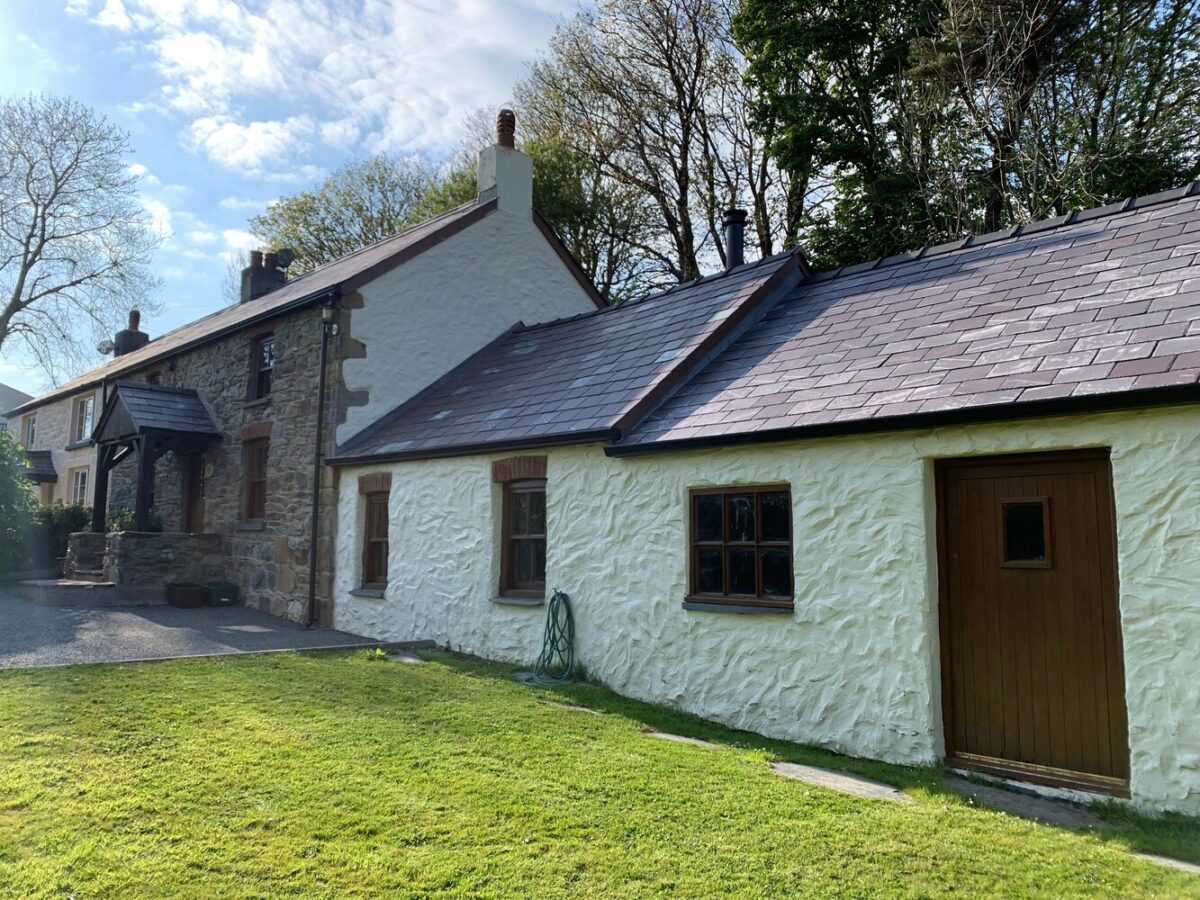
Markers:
(557, 660)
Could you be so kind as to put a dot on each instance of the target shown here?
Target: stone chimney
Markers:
(734, 223)
(129, 339)
(505, 173)
(261, 276)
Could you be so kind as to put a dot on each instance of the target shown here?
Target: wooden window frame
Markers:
(73, 482)
(1005, 563)
(372, 503)
(77, 433)
(29, 430)
(695, 545)
(249, 449)
(509, 587)
(258, 371)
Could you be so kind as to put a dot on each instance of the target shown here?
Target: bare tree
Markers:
(75, 242)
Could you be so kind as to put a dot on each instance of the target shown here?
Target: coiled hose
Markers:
(557, 660)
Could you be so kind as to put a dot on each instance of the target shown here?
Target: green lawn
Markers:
(339, 774)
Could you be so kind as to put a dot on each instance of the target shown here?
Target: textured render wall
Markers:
(54, 425)
(855, 668)
(431, 313)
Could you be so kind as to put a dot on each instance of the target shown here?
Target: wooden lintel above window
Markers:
(375, 483)
(256, 431)
(518, 468)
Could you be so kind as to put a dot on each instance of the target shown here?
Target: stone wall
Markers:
(150, 559)
(855, 667)
(268, 560)
(85, 553)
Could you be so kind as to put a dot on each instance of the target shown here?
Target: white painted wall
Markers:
(855, 668)
(431, 313)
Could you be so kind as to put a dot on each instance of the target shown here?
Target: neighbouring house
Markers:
(943, 505)
(219, 427)
(56, 440)
(10, 398)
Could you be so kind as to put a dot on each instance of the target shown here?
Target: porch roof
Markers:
(135, 409)
(41, 467)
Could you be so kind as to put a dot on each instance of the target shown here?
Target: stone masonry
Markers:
(268, 560)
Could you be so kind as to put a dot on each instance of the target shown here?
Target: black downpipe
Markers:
(326, 327)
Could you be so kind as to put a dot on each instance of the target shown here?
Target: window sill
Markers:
(708, 606)
(369, 593)
(504, 600)
(252, 404)
(77, 445)
(249, 526)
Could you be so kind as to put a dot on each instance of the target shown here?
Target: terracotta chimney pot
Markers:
(506, 128)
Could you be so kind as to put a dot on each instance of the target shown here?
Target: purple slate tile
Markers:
(1178, 345)
(1146, 366)
(1126, 351)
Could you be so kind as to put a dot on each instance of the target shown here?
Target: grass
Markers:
(347, 775)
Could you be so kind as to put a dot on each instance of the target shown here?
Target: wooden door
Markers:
(193, 493)
(1032, 676)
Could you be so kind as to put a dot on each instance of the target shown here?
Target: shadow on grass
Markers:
(1177, 837)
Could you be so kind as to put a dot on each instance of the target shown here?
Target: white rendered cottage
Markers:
(937, 506)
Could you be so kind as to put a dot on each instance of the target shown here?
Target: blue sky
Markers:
(231, 104)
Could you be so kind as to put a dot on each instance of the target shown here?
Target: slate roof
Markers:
(152, 407)
(1088, 310)
(11, 398)
(296, 292)
(582, 378)
(41, 467)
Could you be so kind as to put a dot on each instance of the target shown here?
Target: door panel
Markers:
(1032, 673)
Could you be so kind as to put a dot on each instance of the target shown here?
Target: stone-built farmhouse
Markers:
(218, 427)
(944, 505)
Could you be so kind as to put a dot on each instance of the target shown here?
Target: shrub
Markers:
(122, 520)
(52, 526)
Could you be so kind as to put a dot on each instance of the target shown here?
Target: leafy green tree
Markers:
(362, 202)
(17, 504)
(921, 121)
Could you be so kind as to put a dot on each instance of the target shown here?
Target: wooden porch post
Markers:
(145, 484)
(100, 495)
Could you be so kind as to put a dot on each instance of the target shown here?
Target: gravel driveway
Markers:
(32, 634)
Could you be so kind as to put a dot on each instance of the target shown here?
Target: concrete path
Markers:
(1047, 810)
(845, 782)
(32, 634)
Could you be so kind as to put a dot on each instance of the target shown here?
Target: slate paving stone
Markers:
(682, 739)
(844, 782)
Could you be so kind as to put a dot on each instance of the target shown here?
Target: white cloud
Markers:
(160, 216)
(204, 238)
(113, 15)
(242, 204)
(254, 146)
(279, 85)
(239, 241)
(148, 178)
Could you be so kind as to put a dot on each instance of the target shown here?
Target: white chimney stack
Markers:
(505, 173)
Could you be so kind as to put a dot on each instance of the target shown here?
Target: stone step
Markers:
(90, 594)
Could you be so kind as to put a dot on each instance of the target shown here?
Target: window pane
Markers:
(524, 562)
(520, 524)
(1024, 533)
(537, 512)
(776, 573)
(740, 509)
(709, 572)
(539, 560)
(776, 516)
(708, 517)
(741, 572)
